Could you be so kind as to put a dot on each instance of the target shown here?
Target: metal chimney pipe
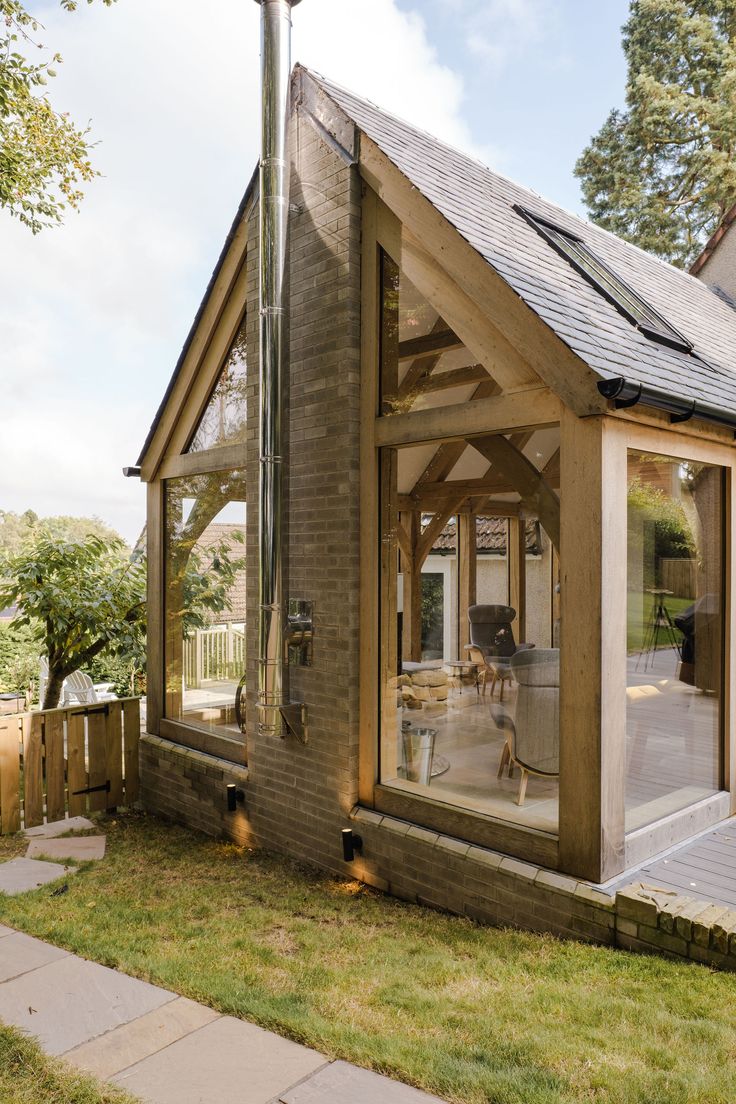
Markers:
(273, 704)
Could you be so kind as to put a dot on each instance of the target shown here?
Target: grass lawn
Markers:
(27, 1076)
(639, 612)
(473, 1014)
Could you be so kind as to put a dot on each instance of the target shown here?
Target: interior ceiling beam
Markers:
(485, 341)
(537, 496)
(457, 377)
(491, 507)
(440, 342)
(447, 455)
(428, 384)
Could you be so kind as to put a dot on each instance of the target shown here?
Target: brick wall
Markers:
(190, 787)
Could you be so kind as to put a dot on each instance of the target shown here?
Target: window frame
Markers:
(668, 335)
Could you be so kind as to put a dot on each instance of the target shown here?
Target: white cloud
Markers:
(93, 315)
(499, 32)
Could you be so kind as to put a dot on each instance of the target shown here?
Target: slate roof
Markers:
(478, 203)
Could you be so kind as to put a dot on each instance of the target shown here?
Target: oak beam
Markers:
(467, 569)
(593, 647)
(434, 528)
(479, 335)
(435, 342)
(532, 409)
(536, 494)
(516, 552)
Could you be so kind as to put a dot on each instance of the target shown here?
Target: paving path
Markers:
(157, 1045)
(164, 1048)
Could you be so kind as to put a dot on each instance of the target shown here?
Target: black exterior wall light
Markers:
(351, 842)
(234, 797)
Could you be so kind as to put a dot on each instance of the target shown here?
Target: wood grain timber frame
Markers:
(580, 498)
(165, 458)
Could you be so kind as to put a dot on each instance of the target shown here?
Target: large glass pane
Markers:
(423, 362)
(675, 635)
(225, 417)
(470, 624)
(205, 601)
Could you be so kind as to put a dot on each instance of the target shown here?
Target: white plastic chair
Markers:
(78, 689)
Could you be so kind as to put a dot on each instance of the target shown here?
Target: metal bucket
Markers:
(419, 753)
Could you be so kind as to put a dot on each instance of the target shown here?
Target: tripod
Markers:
(660, 623)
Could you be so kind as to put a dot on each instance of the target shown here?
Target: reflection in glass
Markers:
(205, 600)
(675, 635)
(470, 625)
(224, 420)
(424, 364)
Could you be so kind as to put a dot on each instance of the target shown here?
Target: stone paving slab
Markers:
(341, 1083)
(59, 827)
(72, 847)
(134, 1041)
(5, 931)
(20, 953)
(22, 875)
(227, 1060)
(71, 1001)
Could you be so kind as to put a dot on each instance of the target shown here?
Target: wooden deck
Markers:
(704, 868)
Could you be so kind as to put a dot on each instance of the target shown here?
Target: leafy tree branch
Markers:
(44, 155)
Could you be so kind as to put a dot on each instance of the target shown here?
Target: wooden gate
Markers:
(78, 759)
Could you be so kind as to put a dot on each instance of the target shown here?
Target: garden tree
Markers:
(82, 598)
(15, 529)
(662, 172)
(18, 658)
(44, 156)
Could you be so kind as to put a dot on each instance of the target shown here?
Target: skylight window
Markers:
(607, 283)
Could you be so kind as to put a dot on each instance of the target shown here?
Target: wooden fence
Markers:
(79, 759)
(679, 576)
(213, 654)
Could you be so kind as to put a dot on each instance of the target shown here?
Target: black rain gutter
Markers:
(627, 393)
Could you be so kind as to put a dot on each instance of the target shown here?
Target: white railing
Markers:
(213, 654)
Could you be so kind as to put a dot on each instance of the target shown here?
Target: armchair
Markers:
(492, 643)
(533, 735)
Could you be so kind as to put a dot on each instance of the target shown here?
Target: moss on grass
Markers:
(479, 1015)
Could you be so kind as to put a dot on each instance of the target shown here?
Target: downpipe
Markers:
(276, 714)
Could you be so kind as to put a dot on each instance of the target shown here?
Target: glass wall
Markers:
(423, 362)
(205, 608)
(675, 645)
(470, 624)
(225, 418)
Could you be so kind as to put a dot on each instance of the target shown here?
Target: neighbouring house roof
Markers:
(220, 531)
(713, 241)
(491, 534)
(479, 204)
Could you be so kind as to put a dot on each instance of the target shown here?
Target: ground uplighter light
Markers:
(234, 795)
(350, 844)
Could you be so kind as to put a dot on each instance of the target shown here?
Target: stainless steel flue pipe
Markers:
(274, 709)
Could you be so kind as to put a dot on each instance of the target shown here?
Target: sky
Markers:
(93, 314)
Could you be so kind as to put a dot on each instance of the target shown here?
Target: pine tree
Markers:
(662, 173)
